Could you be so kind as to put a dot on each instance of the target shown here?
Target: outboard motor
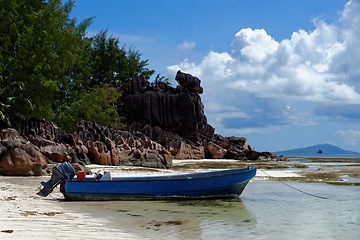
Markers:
(61, 172)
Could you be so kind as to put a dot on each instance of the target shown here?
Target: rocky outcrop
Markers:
(253, 155)
(56, 145)
(180, 148)
(189, 82)
(215, 151)
(18, 156)
(92, 143)
(173, 117)
(117, 147)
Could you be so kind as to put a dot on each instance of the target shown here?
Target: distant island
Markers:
(320, 150)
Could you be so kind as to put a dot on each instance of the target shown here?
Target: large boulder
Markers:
(18, 156)
(254, 155)
(215, 151)
(187, 81)
(188, 151)
(56, 153)
(99, 153)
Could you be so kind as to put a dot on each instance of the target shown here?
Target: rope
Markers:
(296, 189)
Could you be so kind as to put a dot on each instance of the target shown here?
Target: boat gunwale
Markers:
(187, 176)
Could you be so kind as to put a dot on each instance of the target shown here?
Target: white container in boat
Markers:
(106, 177)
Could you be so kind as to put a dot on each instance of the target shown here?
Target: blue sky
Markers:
(284, 74)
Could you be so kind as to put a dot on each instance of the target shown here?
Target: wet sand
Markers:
(25, 215)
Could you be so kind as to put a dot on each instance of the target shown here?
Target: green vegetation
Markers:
(233, 164)
(342, 183)
(320, 176)
(113, 65)
(160, 79)
(298, 165)
(50, 69)
(98, 105)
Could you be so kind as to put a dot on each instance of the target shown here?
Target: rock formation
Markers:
(92, 143)
(189, 82)
(18, 156)
(117, 147)
(177, 110)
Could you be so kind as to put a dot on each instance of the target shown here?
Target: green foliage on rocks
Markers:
(99, 105)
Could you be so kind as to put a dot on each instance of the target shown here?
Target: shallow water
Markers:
(266, 210)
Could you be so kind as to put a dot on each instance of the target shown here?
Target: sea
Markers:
(265, 210)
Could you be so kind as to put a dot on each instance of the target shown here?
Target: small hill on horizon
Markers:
(318, 151)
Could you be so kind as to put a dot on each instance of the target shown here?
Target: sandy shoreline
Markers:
(28, 216)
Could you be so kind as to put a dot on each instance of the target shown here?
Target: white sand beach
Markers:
(28, 216)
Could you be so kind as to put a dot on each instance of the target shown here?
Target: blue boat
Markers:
(200, 185)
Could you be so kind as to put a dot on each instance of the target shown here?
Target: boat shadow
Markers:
(181, 219)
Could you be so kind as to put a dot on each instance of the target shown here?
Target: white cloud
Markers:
(186, 45)
(297, 68)
(318, 67)
(347, 61)
(254, 45)
(350, 137)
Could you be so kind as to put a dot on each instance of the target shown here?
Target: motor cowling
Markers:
(61, 172)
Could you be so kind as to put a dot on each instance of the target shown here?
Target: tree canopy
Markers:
(39, 44)
(99, 105)
(50, 69)
(112, 64)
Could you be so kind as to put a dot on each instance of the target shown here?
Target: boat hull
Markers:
(215, 184)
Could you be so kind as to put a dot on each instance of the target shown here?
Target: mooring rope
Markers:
(313, 195)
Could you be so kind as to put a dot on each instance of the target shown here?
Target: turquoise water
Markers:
(266, 210)
(283, 213)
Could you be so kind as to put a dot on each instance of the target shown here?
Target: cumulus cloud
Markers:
(257, 80)
(186, 45)
(254, 45)
(350, 137)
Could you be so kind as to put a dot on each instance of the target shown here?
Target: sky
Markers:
(283, 74)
